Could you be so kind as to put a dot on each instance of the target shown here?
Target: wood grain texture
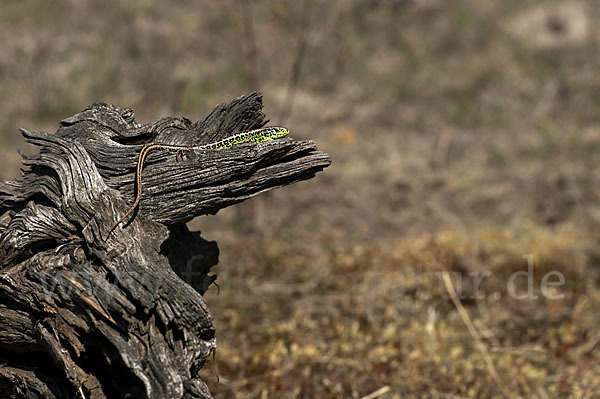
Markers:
(83, 314)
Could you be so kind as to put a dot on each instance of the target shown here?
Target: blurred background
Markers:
(464, 134)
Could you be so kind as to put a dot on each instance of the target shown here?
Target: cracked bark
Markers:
(82, 314)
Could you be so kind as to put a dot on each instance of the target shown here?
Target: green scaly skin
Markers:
(252, 136)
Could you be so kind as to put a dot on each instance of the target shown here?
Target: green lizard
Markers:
(252, 136)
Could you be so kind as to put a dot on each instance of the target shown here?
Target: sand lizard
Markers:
(252, 136)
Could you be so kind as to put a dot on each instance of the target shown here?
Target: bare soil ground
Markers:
(465, 135)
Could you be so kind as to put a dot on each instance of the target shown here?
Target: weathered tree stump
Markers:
(86, 315)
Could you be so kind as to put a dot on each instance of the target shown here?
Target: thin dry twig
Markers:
(519, 349)
(298, 60)
(248, 380)
(250, 48)
(475, 335)
(377, 393)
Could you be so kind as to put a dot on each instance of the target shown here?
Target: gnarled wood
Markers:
(83, 314)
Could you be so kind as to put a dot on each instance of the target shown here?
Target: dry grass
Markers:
(464, 135)
(356, 318)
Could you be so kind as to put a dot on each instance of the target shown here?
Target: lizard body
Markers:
(252, 136)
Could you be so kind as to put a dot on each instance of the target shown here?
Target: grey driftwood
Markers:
(83, 315)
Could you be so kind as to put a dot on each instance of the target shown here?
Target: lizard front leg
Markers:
(181, 154)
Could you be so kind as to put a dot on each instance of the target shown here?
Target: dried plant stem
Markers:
(250, 49)
(377, 393)
(297, 63)
(475, 335)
